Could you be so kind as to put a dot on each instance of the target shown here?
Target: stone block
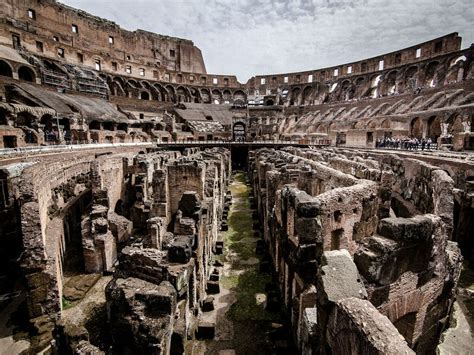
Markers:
(206, 330)
(208, 304)
(213, 287)
(338, 277)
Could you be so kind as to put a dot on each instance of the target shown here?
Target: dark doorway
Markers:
(239, 158)
(9, 142)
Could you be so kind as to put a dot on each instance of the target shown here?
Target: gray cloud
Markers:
(249, 37)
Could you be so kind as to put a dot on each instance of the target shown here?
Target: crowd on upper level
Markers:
(406, 143)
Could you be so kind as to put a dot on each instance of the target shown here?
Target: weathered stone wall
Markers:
(314, 202)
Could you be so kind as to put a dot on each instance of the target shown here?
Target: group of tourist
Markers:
(407, 143)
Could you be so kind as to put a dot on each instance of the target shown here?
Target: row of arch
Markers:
(24, 72)
(391, 82)
(146, 90)
(428, 126)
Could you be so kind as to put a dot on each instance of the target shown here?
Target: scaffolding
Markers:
(88, 81)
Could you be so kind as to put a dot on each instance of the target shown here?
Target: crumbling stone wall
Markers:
(408, 267)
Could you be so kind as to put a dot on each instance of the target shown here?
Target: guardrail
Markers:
(53, 148)
(254, 142)
(74, 147)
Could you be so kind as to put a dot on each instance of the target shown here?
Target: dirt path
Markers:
(242, 322)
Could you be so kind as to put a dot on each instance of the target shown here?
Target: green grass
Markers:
(67, 304)
(240, 221)
(240, 241)
(248, 284)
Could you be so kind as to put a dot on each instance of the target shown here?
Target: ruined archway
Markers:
(416, 128)
(5, 69)
(434, 128)
(27, 74)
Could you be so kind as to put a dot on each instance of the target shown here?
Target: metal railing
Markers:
(67, 147)
(81, 145)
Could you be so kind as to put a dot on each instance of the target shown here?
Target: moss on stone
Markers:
(240, 244)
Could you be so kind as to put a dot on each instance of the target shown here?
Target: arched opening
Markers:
(50, 128)
(122, 127)
(182, 94)
(25, 73)
(144, 96)
(238, 132)
(5, 69)
(171, 93)
(94, 125)
(239, 96)
(430, 74)
(119, 207)
(295, 97)
(206, 96)
(416, 128)
(3, 117)
(391, 82)
(347, 91)
(307, 95)
(434, 128)
(25, 119)
(269, 102)
(216, 97)
(108, 126)
(227, 97)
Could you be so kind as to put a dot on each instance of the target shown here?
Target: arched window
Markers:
(5, 69)
(144, 95)
(25, 73)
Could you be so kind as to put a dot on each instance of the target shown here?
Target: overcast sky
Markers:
(250, 37)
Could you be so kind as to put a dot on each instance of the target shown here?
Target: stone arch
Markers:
(307, 96)
(227, 96)
(269, 102)
(347, 90)
(26, 73)
(182, 94)
(387, 124)
(161, 91)
(206, 96)
(434, 128)
(416, 128)
(372, 124)
(122, 127)
(295, 96)
(5, 69)
(144, 95)
(391, 83)
(154, 93)
(430, 73)
(116, 86)
(133, 84)
(94, 125)
(195, 95)
(239, 97)
(216, 96)
(455, 124)
(171, 92)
